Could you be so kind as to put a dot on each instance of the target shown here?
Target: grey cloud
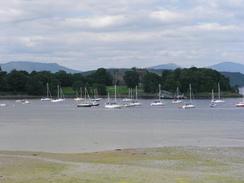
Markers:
(90, 34)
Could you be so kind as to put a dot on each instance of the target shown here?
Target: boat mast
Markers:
(219, 90)
(58, 92)
(115, 93)
(108, 98)
(159, 92)
(85, 94)
(177, 93)
(190, 93)
(212, 95)
(80, 92)
(61, 93)
(136, 94)
(47, 91)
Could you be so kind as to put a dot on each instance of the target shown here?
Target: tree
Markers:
(131, 78)
(64, 78)
(101, 76)
(3, 81)
(17, 81)
(35, 87)
(77, 85)
(150, 82)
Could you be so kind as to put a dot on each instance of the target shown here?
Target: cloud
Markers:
(95, 22)
(90, 33)
(167, 16)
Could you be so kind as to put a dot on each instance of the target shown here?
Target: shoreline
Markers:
(149, 97)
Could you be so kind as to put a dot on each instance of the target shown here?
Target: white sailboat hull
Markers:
(176, 101)
(113, 106)
(25, 102)
(46, 99)
(188, 106)
(57, 100)
(78, 99)
(241, 104)
(3, 105)
(157, 103)
(218, 101)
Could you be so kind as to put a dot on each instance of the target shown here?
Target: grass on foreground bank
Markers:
(167, 165)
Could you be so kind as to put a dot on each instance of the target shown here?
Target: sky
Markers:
(87, 34)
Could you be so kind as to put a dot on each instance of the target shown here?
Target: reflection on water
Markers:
(64, 128)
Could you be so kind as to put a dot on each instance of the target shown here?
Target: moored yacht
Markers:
(96, 98)
(129, 98)
(113, 105)
(177, 99)
(87, 101)
(79, 98)
(219, 100)
(3, 105)
(159, 101)
(60, 95)
(189, 105)
(212, 103)
(241, 104)
(134, 102)
(49, 96)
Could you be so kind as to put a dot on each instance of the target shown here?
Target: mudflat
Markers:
(151, 165)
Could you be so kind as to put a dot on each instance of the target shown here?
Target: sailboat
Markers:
(212, 103)
(3, 105)
(113, 105)
(241, 104)
(79, 98)
(219, 100)
(49, 96)
(189, 105)
(159, 101)
(129, 98)
(96, 98)
(87, 101)
(23, 101)
(177, 98)
(60, 95)
(134, 102)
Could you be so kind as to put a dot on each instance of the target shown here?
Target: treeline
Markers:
(34, 83)
(202, 80)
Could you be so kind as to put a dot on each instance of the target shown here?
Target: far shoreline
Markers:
(144, 96)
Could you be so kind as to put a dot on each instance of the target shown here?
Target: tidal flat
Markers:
(154, 165)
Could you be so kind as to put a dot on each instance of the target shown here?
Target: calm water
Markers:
(44, 126)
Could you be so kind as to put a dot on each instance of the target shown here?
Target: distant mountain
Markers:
(35, 66)
(228, 67)
(169, 66)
